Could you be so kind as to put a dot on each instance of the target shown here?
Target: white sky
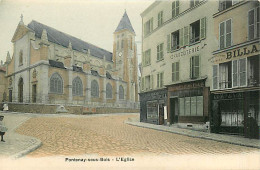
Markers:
(89, 20)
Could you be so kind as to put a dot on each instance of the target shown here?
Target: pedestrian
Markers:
(3, 129)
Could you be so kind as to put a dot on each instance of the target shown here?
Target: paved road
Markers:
(110, 136)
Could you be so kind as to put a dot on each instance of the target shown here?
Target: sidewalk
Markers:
(16, 145)
(237, 140)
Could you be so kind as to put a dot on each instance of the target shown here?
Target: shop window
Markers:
(94, 89)
(191, 106)
(121, 92)
(56, 84)
(160, 18)
(194, 3)
(160, 52)
(195, 31)
(175, 71)
(152, 110)
(109, 91)
(215, 77)
(225, 34)
(194, 67)
(175, 44)
(253, 24)
(253, 71)
(77, 87)
(225, 75)
(175, 8)
(148, 27)
(160, 80)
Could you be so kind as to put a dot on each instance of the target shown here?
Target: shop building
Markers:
(177, 47)
(236, 82)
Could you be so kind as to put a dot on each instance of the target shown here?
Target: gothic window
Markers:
(56, 83)
(109, 91)
(21, 57)
(94, 89)
(77, 87)
(121, 92)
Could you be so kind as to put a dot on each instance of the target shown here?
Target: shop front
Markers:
(236, 113)
(188, 103)
(152, 106)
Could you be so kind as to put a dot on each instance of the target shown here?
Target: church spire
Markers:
(125, 24)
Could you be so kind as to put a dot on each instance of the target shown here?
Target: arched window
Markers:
(94, 89)
(121, 92)
(56, 84)
(109, 91)
(77, 87)
(21, 57)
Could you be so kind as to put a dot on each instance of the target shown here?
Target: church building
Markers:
(50, 67)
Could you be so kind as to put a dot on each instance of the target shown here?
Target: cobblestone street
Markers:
(110, 136)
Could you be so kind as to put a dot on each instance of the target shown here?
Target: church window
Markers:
(121, 92)
(94, 89)
(56, 83)
(109, 91)
(21, 57)
(122, 43)
(77, 87)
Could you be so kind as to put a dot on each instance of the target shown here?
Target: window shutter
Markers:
(161, 80)
(242, 72)
(177, 71)
(151, 25)
(158, 80)
(173, 9)
(186, 35)
(168, 43)
(228, 33)
(177, 7)
(181, 37)
(222, 35)
(145, 29)
(234, 73)
(151, 81)
(173, 72)
(196, 66)
(158, 52)
(203, 28)
(251, 27)
(215, 76)
(191, 67)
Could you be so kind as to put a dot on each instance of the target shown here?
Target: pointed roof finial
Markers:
(70, 45)
(44, 36)
(21, 21)
(8, 58)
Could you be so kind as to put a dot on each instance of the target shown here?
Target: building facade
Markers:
(177, 43)
(236, 81)
(51, 67)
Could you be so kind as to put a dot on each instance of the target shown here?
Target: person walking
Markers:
(3, 129)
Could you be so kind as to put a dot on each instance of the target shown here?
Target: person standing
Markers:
(3, 129)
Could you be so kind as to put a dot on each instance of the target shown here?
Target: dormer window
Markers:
(21, 57)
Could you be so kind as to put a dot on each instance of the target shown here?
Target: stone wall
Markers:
(79, 110)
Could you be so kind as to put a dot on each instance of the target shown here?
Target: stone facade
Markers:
(51, 67)
(177, 44)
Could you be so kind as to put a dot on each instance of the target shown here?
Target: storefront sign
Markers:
(187, 86)
(236, 53)
(228, 96)
(185, 52)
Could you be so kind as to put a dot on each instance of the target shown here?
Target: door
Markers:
(10, 95)
(161, 114)
(20, 90)
(34, 93)
(174, 110)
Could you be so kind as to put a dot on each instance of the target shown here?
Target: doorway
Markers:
(10, 95)
(174, 110)
(20, 90)
(161, 114)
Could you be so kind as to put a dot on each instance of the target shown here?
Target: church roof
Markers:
(125, 24)
(63, 39)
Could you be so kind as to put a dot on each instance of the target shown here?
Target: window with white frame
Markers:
(77, 87)
(253, 23)
(146, 60)
(253, 67)
(160, 18)
(225, 75)
(121, 92)
(160, 52)
(194, 67)
(225, 34)
(148, 82)
(56, 84)
(195, 32)
(109, 91)
(175, 71)
(191, 106)
(148, 27)
(239, 73)
(159, 80)
(175, 37)
(94, 89)
(175, 8)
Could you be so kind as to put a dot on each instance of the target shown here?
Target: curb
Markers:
(28, 150)
(189, 135)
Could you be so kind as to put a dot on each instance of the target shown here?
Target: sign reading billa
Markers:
(237, 53)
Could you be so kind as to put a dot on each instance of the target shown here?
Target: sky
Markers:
(89, 20)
